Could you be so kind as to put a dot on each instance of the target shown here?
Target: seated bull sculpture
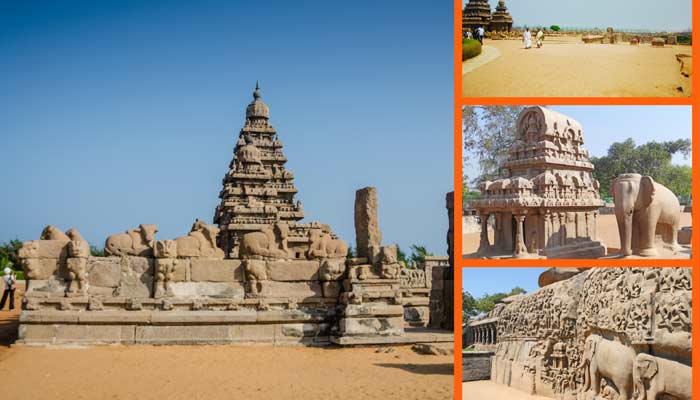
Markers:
(199, 243)
(135, 242)
(266, 243)
(324, 246)
(40, 259)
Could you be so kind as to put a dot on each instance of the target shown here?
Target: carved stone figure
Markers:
(200, 242)
(642, 208)
(78, 252)
(609, 359)
(266, 243)
(654, 376)
(332, 270)
(135, 242)
(324, 246)
(255, 272)
(53, 233)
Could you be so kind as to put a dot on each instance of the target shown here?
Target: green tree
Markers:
(555, 28)
(488, 132)
(351, 252)
(400, 255)
(469, 309)
(652, 158)
(487, 302)
(9, 254)
(679, 179)
(418, 254)
(96, 251)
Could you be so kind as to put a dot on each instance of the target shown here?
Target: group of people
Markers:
(9, 280)
(478, 34)
(527, 38)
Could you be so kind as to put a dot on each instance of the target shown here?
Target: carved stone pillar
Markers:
(519, 249)
(562, 228)
(484, 242)
(547, 230)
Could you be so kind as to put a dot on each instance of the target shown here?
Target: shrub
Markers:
(470, 48)
(555, 28)
(684, 39)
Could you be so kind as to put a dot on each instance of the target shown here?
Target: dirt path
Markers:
(566, 67)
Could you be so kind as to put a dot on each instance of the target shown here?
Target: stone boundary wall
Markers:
(476, 365)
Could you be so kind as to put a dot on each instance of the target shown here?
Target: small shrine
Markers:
(547, 203)
(501, 19)
(475, 14)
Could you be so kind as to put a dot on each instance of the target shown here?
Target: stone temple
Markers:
(547, 203)
(257, 275)
(477, 13)
(597, 333)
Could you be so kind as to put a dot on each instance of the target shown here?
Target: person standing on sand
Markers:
(9, 280)
(527, 38)
(539, 38)
(480, 34)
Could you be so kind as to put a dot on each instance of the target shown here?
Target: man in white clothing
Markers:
(527, 38)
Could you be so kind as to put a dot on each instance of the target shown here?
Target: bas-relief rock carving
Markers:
(604, 333)
(644, 208)
(248, 278)
(547, 203)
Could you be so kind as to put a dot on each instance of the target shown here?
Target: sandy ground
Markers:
(566, 67)
(217, 372)
(478, 390)
(607, 233)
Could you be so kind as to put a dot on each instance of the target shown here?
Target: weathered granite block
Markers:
(203, 270)
(295, 290)
(104, 271)
(476, 366)
(41, 268)
(372, 326)
(373, 310)
(52, 249)
(331, 289)
(292, 271)
(136, 277)
(234, 290)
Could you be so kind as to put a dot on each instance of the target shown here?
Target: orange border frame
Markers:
(460, 263)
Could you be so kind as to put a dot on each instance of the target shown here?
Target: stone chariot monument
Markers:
(547, 202)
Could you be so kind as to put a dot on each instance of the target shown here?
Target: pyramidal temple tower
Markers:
(257, 190)
(547, 203)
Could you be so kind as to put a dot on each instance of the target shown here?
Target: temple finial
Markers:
(256, 94)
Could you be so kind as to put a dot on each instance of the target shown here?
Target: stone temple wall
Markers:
(603, 334)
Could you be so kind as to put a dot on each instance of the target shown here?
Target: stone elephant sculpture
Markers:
(609, 359)
(642, 208)
(135, 242)
(323, 245)
(267, 242)
(654, 376)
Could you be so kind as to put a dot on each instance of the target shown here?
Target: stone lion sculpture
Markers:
(267, 242)
(135, 242)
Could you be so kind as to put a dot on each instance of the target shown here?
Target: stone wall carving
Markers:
(594, 334)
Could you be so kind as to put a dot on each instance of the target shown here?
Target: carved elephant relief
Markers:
(644, 207)
(611, 360)
(135, 242)
(654, 376)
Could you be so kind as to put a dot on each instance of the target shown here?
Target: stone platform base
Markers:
(276, 327)
(244, 327)
(577, 250)
(410, 336)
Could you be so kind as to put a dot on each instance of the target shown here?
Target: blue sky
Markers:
(671, 15)
(479, 281)
(604, 125)
(119, 113)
